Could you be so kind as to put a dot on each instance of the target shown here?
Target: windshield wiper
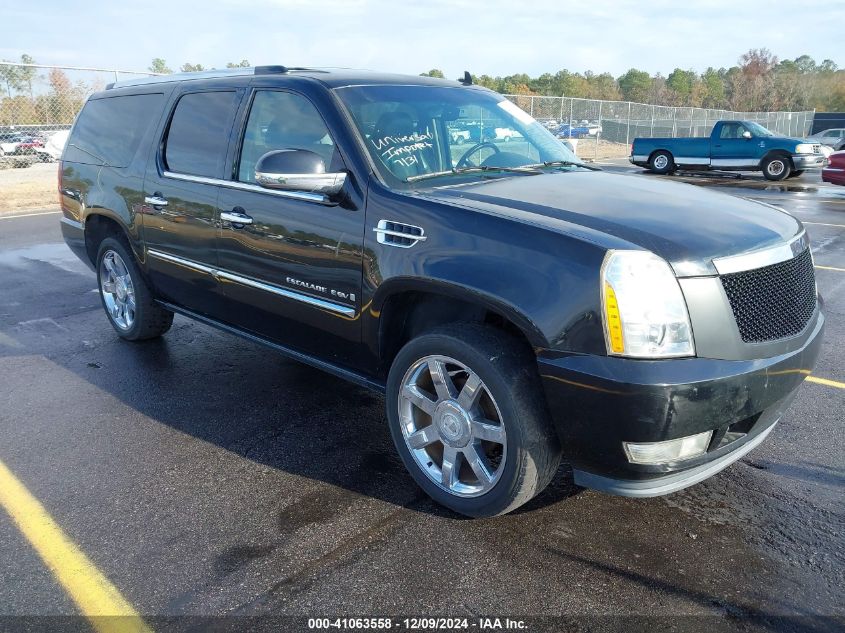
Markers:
(566, 163)
(529, 170)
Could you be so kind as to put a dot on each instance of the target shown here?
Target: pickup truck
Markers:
(733, 145)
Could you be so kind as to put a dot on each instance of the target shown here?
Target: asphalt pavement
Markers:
(204, 476)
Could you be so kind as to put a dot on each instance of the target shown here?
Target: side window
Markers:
(282, 120)
(730, 130)
(109, 131)
(199, 133)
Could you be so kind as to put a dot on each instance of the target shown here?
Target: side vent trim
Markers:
(399, 234)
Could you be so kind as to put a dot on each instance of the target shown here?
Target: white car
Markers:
(506, 134)
(53, 148)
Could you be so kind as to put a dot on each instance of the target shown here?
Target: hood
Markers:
(686, 225)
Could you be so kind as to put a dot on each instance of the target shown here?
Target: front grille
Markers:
(773, 302)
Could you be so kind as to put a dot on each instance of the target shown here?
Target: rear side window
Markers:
(109, 131)
(199, 133)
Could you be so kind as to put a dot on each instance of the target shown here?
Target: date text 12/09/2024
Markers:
(418, 624)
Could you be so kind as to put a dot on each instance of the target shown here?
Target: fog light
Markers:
(668, 451)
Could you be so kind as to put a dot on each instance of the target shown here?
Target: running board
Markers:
(335, 370)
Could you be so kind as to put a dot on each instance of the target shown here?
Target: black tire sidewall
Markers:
(670, 165)
(502, 386)
(782, 176)
(118, 246)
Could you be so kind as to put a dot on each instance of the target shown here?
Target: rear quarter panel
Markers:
(678, 147)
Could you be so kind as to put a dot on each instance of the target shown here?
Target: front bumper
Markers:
(599, 402)
(808, 161)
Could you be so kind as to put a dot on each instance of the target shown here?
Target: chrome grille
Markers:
(773, 302)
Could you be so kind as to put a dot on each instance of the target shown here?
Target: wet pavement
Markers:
(206, 476)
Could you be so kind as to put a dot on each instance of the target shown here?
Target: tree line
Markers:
(758, 82)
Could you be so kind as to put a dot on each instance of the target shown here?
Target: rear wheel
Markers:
(776, 168)
(661, 162)
(469, 419)
(126, 298)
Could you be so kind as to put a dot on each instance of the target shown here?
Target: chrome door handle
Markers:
(235, 218)
(155, 201)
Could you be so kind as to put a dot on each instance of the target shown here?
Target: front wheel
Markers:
(776, 168)
(469, 419)
(661, 162)
(126, 298)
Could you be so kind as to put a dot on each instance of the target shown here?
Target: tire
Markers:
(661, 162)
(121, 285)
(795, 173)
(516, 447)
(776, 167)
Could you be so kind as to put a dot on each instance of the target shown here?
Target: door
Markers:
(180, 200)
(291, 271)
(731, 149)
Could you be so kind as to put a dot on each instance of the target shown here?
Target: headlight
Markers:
(804, 148)
(645, 315)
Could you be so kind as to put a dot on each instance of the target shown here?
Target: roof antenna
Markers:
(466, 79)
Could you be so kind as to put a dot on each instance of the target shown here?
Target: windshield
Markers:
(757, 130)
(416, 133)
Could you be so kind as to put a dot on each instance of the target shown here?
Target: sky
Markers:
(493, 37)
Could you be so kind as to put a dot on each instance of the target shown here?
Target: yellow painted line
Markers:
(27, 215)
(840, 226)
(826, 382)
(841, 270)
(98, 600)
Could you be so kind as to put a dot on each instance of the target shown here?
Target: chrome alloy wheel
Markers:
(117, 290)
(452, 426)
(661, 162)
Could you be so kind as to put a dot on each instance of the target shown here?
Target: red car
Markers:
(834, 173)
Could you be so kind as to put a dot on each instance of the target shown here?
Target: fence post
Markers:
(628, 130)
(596, 152)
(652, 122)
(532, 106)
(560, 118)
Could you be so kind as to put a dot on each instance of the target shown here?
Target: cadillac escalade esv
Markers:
(514, 304)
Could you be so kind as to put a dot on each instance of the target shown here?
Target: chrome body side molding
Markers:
(254, 283)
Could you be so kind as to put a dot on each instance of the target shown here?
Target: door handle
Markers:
(235, 217)
(156, 200)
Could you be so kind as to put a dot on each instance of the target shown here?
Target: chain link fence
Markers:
(38, 105)
(606, 128)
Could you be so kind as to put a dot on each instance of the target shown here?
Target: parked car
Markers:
(732, 145)
(834, 173)
(53, 146)
(21, 144)
(576, 130)
(834, 138)
(513, 306)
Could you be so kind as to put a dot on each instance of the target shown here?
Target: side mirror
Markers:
(297, 170)
(746, 134)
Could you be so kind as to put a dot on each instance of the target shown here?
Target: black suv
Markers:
(514, 304)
